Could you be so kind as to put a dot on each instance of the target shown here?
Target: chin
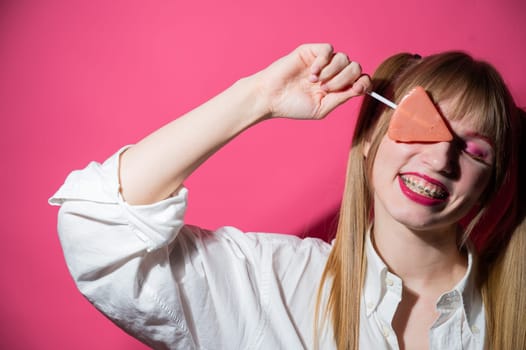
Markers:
(419, 221)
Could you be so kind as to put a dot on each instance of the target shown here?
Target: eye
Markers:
(478, 151)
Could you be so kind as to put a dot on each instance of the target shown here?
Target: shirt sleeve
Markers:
(147, 271)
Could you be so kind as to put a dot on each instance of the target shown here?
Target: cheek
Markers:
(392, 153)
(474, 180)
(390, 158)
(382, 159)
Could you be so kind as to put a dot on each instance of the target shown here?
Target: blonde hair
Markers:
(502, 242)
(478, 93)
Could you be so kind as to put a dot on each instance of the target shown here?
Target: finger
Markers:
(334, 99)
(362, 85)
(323, 54)
(338, 62)
(344, 78)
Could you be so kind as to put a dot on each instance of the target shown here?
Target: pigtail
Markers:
(503, 270)
(504, 296)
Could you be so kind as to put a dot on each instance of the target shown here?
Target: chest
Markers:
(412, 322)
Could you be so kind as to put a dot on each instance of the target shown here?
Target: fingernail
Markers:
(359, 88)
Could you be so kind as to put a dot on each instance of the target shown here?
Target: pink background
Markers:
(79, 79)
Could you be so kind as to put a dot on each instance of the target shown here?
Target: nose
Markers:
(441, 157)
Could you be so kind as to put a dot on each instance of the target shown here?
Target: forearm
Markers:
(156, 166)
(306, 84)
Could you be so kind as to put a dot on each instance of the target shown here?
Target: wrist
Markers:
(257, 100)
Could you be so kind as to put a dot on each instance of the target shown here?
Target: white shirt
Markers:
(175, 286)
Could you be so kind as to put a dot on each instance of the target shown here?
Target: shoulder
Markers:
(264, 253)
(290, 243)
(257, 242)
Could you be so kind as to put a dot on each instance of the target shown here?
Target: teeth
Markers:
(424, 188)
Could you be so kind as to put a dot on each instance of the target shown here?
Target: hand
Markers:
(310, 82)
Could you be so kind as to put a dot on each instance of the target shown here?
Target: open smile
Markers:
(422, 189)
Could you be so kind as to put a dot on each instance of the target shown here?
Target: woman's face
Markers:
(431, 186)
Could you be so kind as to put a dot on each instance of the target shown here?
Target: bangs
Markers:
(469, 85)
(474, 89)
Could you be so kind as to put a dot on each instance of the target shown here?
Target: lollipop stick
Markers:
(382, 99)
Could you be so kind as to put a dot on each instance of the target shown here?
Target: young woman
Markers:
(402, 271)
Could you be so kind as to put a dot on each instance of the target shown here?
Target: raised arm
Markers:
(306, 84)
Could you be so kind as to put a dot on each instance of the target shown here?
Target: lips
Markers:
(423, 189)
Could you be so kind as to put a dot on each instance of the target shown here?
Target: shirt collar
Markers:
(376, 271)
(465, 294)
(462, 295)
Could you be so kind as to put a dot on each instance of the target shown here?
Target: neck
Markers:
(423, 260)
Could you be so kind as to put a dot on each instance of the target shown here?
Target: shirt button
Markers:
(370, 305)
(389, 282)
(475, 330)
